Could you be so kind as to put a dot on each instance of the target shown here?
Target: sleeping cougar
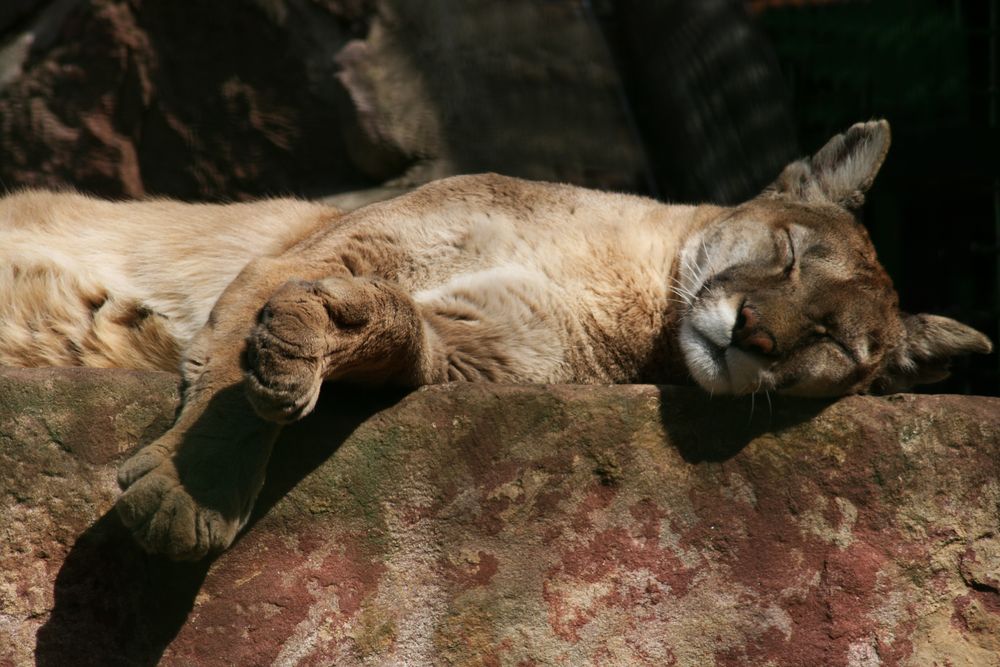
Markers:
(472, 278)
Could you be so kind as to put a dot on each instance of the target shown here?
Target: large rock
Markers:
(243, 98)
(505, 525)
(194, 100)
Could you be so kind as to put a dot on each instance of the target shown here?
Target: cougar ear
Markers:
(926, 352)
(841, 171)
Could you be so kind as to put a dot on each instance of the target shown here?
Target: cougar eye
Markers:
(838, 345)
(789, 253)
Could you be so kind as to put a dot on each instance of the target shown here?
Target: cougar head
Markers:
(784, 293)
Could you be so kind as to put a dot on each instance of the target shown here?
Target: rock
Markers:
(14, 10)
(509, 525)
(527, 89)
(41, 30)
(245, 98)
(248, 98)
(61, 434)
(195, 101)
(708, 97)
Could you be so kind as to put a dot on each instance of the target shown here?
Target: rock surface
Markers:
(246, 98)
(504, 525)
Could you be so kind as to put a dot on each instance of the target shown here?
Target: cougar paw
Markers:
(165, 519)
(280, 387)
(139, 464)
(285, 353)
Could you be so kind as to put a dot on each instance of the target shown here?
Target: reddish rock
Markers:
(238, 99)
(127, 98)
(504, 525)
(67, 571)
(245, 98)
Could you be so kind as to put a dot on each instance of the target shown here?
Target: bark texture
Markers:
(506, 525)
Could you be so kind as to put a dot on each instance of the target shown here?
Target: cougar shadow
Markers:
(114, 604)
(707, 428)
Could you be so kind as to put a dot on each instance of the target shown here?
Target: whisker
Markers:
(694, 274)
(708, 268)
(687, 269)
(708, 258)
(682, 293)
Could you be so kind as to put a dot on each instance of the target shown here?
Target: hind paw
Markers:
(141, 463)
(166, 519)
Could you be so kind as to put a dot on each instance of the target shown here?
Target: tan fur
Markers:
(95, 283)
(474, 278)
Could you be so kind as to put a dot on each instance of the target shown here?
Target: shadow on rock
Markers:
(114, 604)
(306, 444)
(716, 428)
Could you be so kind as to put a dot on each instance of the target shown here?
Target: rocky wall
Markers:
(517, 525)
(236, 99)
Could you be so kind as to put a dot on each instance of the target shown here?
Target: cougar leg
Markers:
(189, 492)
(338, 328)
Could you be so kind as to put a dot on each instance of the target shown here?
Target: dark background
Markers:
(930, 67)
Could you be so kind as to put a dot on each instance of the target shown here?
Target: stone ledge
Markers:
(506, 525)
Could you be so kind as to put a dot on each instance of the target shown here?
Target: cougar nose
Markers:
(748, 334)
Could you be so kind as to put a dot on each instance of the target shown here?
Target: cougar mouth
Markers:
(714, 362)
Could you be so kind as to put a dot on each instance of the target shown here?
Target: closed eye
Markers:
(825, 337)
(790, 253)
(822, 334)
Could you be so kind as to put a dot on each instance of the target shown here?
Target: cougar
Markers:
(478, 278)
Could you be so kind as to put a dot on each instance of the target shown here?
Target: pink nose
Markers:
(748, 334)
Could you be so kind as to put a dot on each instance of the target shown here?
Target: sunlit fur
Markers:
(516, 281)
(86, 282)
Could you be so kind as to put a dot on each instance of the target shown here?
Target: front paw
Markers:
(165, 519)
(284, 353)
(280, 388)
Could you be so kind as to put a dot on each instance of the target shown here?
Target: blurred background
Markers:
(683, 100)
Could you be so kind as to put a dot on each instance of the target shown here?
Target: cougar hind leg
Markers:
(54, 314)
(188, 493)
(340, 328)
